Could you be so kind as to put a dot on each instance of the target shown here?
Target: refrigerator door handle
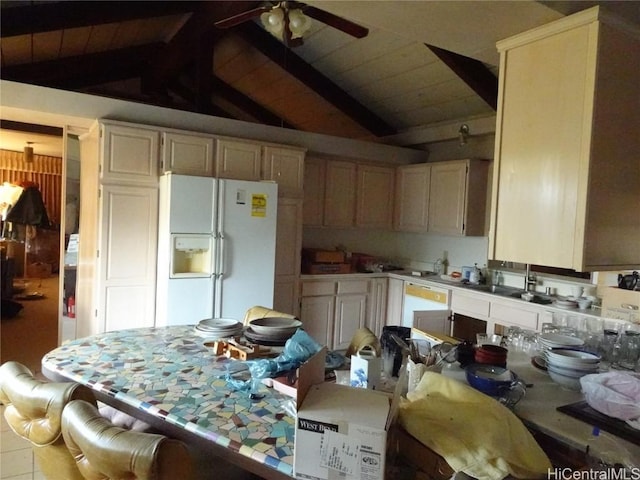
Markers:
(222, 260)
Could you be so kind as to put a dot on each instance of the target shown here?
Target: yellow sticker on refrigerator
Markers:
(258, 205)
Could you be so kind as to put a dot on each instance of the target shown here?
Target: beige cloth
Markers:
(263, 312)
(474, 433)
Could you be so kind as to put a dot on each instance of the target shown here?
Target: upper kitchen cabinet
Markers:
(238, 159)
(313, 205)
(412, 197)
(340, 193)
(345, 194)
(285, 166)
(129, 153)
(458, 197)
(375, 196)
(566, 176)
(187, 154)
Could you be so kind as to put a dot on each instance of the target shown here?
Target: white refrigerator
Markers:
(216, 248)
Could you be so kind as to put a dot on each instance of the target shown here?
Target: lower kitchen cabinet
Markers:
(333, 310)
(395, 297)
(316, 315)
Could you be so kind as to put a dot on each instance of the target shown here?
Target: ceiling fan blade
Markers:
(336, 22)
(241, 17)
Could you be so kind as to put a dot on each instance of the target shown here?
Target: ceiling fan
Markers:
(288, 21)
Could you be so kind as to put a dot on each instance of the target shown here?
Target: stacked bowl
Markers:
(491, 355)
(557, 340)
(567, 365)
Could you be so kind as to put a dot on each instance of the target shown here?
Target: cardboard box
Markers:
(316, 255)
(341, 433)
(325, 268)
(297, 385)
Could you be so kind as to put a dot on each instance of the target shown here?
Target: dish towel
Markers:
(473, 432)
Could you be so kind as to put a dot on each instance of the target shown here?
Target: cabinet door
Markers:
(127, 257)
(350, 315)
(340, 194)
(313, 213)
(316, 315)
(285, 166)
(539, 147)
(129, 154)
(436, 321)
(447, 197)
(288, 247)
(237, 159)
(375, 196)
(187, 154)
(412, 197)
(395, 297)
(377, 314)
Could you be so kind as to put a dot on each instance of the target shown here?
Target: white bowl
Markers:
(572, 372)
(275, 325)
(572, 356)
(554, 340)
(567, 382)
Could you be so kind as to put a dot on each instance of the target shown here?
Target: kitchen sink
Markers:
(509, 292)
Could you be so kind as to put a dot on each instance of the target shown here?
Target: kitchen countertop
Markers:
(538, 409)
(434, 280)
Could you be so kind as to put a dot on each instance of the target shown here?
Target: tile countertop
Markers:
(434, 280)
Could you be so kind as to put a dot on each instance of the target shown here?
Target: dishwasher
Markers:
(427, 308)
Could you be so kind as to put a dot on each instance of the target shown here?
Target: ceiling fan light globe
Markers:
(299, 23)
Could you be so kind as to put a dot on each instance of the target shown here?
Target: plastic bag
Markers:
(297, 350)
(614, 393)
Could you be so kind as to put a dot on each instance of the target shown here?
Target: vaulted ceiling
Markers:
(422, 62)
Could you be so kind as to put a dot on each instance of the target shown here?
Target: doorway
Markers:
(31, 249)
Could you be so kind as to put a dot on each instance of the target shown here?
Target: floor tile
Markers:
(17, 462)
(9, 441)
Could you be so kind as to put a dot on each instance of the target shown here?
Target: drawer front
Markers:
(469, 305)
(507, 315)
(314, 289)
(353, 286)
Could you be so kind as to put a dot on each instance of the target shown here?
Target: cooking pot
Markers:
(629, 281)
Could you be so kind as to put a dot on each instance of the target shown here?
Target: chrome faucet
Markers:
(530, 280)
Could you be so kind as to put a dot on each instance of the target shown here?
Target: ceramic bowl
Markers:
(489, 379)
(275, 325)
(572, 383)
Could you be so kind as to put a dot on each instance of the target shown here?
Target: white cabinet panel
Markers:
(238, 159)
(288, 248)
(412, 198)
(340, 194)
(129, 154)
(187, 154)
(127, 253)
(375, 193)
(285, 166)
(350, 316)
(313, 192)
(316, 315)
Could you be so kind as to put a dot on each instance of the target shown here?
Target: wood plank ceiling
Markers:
(170, 53)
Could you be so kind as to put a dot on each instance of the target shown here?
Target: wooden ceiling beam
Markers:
(189, 96)
(248, 105)
(82, 71)
(473, 72)
(312, 78)
(181, 51)
(30, 17)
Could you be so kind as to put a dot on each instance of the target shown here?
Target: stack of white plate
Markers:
(272, 330)
(557, 340)
(219, 328)
(567, 365)
(566, 303)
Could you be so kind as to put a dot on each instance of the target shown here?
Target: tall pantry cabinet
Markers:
(566, 177)
(118, 225)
